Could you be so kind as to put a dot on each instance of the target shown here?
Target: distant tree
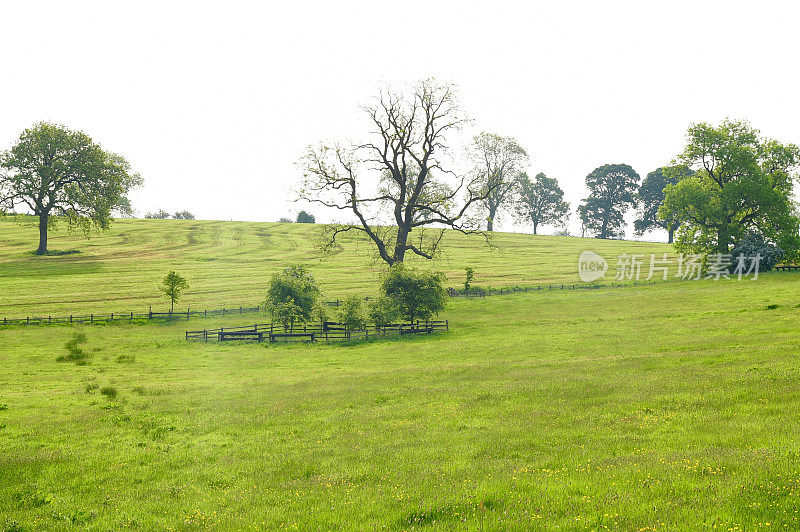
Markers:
(287, 313)
(540, 201)
(651, 196)
(57, 172)
(382, 312)
(612, 191)
(183, 215)
(293, 287)
(352, 314)
(498, 163)
(285, 220)
(172, 286)
(414, 295)
(305, 218)
(160, 214)
(743, 183)
(396, 183)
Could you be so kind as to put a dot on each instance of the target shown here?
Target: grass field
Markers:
(229, 263)
(661, 407)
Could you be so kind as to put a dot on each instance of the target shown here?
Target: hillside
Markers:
(228, 263)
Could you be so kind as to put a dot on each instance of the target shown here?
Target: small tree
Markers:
(414, 295)
(172, 286)
(612, 190)
(183, 215)
(304, 217)
(293, 287)
(498, 163)
(382, 312)
(470, 273)
(352, 315)
(287, 313)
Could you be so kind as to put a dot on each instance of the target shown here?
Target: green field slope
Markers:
(672, 406)
(229, 263)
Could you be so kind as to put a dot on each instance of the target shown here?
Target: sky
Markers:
(213, 103)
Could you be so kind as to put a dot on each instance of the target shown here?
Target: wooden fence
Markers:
(484, 292)
(315, 332)
(129, 317)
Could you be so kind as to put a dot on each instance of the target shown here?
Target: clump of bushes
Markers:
(75, 352)
(352, 314)
(412, 294)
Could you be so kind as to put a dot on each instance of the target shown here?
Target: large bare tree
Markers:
(398, 184)
(499, 161)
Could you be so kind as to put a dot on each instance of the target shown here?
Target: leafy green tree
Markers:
(160, 214)
(415, 295)
(287, 313)
(183, 215)
(540, 201)
(304, 217)
(352, 314)
(172, 286)
(293, 287)
(743, 183)
(396, 183)
(55, 171)
(612, 191)
(499, 162)
(754, 244)
(651, 196)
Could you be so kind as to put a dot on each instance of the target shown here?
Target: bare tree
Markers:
(499, 162)
(397, 182)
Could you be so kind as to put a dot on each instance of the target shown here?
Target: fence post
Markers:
(150, 313)
(49, 320)
(187, 312)
(91, 318)
(205, 313)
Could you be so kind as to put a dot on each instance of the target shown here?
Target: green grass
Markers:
(229, 263)
(669, 406)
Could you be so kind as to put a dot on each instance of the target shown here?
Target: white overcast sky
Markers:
(214, 102)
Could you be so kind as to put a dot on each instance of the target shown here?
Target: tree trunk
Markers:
(43, 218)
(535, 226)
(723, 241)
(490, 218)
(671, 236)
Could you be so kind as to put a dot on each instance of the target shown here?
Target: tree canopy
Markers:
(743, 182)
(172, 286)
(540, 201)
(57, 172)
(498, 163)
(304, 217)
(397, 183)
(292, 295)
(651, 196)
(612, 191)
(414, 295)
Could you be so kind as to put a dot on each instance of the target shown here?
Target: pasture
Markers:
(658, 407)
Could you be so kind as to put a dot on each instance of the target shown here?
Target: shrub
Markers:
(292, 295)
(352, 315)
(160, 214)
(382, 312)
(75, 352)
(109, 391)
(183, 215)
(92, 386)
(753, 244)
(414, 295)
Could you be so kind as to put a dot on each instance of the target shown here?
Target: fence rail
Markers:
(130, 317)
(315, 332)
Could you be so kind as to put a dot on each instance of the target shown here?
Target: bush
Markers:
(160, 214)
(75, 352)
(352, 315)
(753, 244)
(183, 215)
(382, 312)
(292, 296)
(470, 274)
(414, 295)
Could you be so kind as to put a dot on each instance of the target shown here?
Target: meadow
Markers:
(652, 407)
